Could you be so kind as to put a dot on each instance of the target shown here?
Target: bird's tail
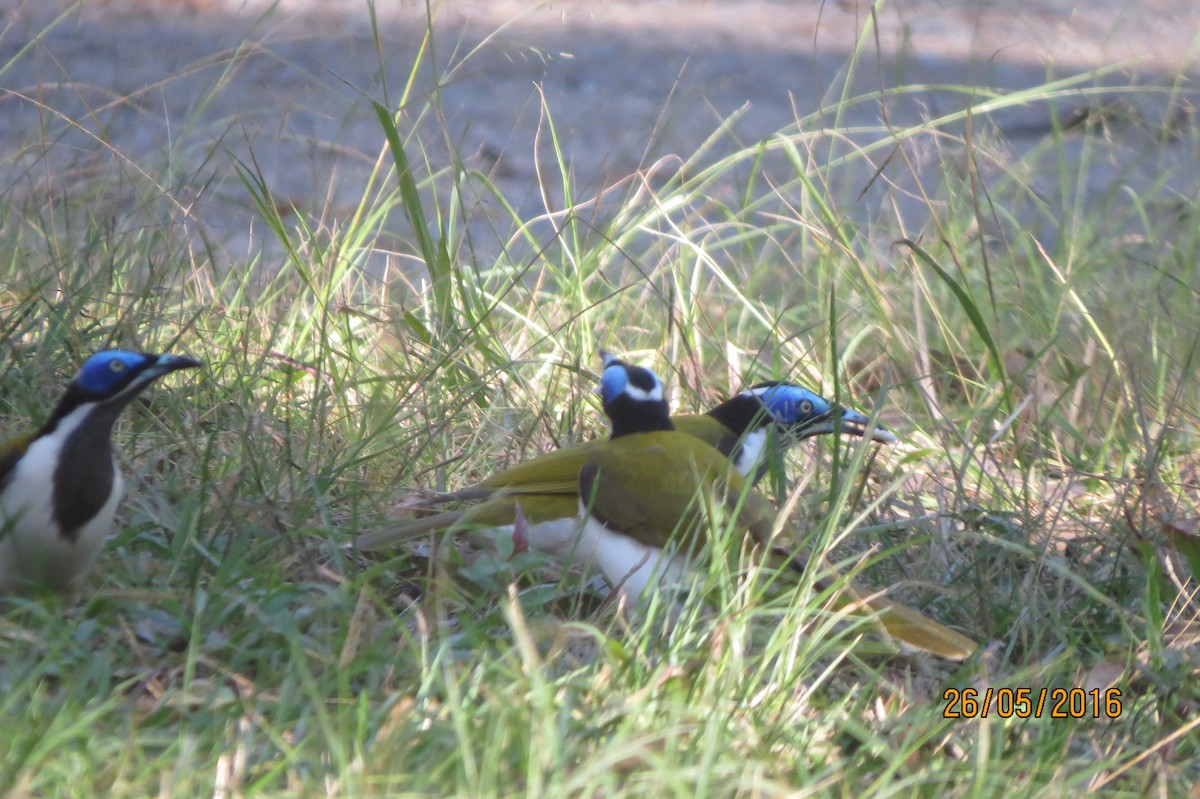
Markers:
(910, 627)
(406, 531)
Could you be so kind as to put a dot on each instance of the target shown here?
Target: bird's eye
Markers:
(805, 406)
(116, 366)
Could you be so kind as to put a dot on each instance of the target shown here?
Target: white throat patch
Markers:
(754, 446)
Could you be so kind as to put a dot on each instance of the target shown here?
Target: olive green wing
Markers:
(543, 503)
(570, 459)
(555, 472)
(653, 521)
(558, 469)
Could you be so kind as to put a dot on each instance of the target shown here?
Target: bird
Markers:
(59, 486)
(646, 503)
(546, 486)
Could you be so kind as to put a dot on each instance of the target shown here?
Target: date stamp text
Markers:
(1055, 703)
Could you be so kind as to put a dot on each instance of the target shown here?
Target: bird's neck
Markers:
(630, 416)
(748, 420)
(742, 414)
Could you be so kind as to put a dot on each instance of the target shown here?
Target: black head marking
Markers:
(633, 398)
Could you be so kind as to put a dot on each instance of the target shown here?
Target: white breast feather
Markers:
(627, 563)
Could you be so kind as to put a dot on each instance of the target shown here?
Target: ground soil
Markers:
(132, 87)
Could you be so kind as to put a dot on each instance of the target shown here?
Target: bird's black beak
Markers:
(163, 365)
(851, 423)
(857, 424)
(170, 363)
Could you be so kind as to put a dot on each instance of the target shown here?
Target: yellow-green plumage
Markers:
(555, 473)
(613, 484)
(699, 478)
(11, 451)
(645, 505)
(547, 487)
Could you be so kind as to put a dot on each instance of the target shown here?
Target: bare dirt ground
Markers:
(114, 88)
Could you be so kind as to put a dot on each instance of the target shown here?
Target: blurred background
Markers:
(627, 85)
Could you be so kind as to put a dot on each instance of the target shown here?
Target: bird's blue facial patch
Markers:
(613, 382)
(107, 372)
(790, 404)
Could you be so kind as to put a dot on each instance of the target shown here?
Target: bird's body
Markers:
(637, 537)
(59, 487)
(547, 487)
(644, 539)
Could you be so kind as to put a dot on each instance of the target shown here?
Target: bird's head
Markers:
(112, 378)
(633, 398)
(802, 414)
(114, 375)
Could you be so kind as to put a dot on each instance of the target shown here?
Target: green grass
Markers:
(1034, 342)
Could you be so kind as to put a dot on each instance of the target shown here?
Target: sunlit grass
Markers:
(1034, 346)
